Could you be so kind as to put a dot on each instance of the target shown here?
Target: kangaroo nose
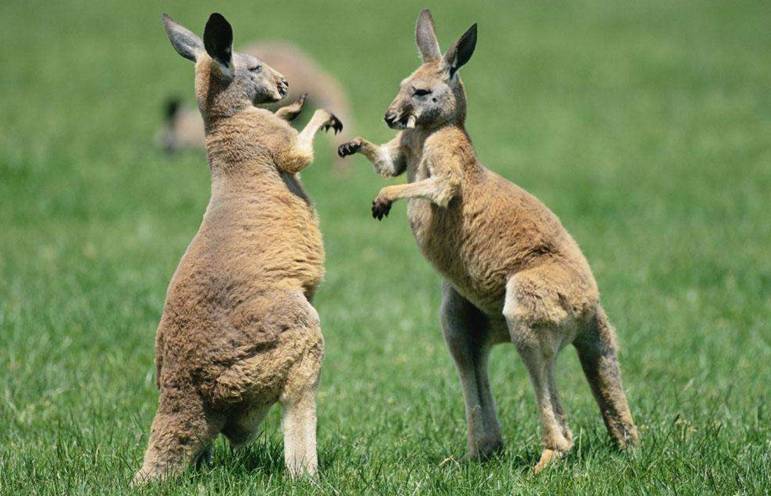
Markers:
(283, 86)
(390, 118)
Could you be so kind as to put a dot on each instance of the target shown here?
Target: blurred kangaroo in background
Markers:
(512, 272)
(183, 128)
(238, 331)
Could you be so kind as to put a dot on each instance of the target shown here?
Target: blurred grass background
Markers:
(646, 126)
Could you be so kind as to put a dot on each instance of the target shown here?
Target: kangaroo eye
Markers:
(255, 68)
(421, 92)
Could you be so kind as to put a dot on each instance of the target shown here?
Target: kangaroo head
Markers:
(433, 95)
(226, 82)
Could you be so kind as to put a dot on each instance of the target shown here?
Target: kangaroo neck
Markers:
(423, 143)
(418, 136)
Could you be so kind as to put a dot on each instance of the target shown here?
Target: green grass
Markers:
(645, 126)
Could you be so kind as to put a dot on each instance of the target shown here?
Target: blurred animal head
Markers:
(182, 127)
(433, 95)
(226, 82)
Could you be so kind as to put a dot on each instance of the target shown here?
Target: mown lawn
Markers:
(646, 126)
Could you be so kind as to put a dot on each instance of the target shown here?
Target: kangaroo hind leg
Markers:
(181, 434)
(298, 398)
(467, 334)
(537, 327)
(596, 347)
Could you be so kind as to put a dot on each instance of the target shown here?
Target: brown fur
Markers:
(512, 271)
(184, 128)
(238, 332)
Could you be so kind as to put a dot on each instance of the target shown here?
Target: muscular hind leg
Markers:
(533, 317)
(557, 404)
(596, 348)
(181, 432)
(467, 334)
(288, 372)
(241, 427)
(298, 422)
(298, 404)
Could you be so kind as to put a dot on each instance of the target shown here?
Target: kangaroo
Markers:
(512, 272)
(183, 128)
(238, 331)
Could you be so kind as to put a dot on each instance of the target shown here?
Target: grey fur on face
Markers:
(243, 79)
(433, 94)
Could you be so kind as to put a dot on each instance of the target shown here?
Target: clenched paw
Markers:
(349, 148)
(295, 108)
(380, 208)
(333, 123)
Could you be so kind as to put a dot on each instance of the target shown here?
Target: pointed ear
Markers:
(460, 52)
(425, 37)
(218, 40)
(182, 39)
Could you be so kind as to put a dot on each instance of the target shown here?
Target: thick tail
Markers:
(596, 348)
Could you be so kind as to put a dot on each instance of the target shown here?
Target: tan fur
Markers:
(238, 332)
(513, 273)
(184, 129)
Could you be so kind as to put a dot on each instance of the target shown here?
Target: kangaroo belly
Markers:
(270, 240)
(449, 243)
(492, 231)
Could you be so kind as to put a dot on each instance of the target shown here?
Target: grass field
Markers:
(646, 126)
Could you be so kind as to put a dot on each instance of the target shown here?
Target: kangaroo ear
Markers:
(425, 37)
(460, 52)
(182, 39)
(218, 40)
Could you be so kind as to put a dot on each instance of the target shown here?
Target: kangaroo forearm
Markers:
(294, 160)
(286, 113)
(299, 156)
(291, 111)
(437, 190)
(387, 159)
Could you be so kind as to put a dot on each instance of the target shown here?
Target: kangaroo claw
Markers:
(333, 123)
(348, 148)
(380, 208)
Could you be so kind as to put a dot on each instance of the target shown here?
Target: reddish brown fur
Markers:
(512, 271)
(238, 332)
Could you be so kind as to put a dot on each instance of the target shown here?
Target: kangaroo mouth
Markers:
(405, 121)
(283, 88)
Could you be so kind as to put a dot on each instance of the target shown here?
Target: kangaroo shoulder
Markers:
(450, 145)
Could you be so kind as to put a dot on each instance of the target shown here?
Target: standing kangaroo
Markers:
(512, 272)
(238, 332)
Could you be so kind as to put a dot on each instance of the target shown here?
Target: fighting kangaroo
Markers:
(512, 272)
(238, 331)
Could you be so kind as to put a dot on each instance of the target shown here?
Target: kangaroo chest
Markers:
(445, 236)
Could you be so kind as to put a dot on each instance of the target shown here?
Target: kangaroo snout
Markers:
(399, 119)
(283, 86)
(391, 118)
